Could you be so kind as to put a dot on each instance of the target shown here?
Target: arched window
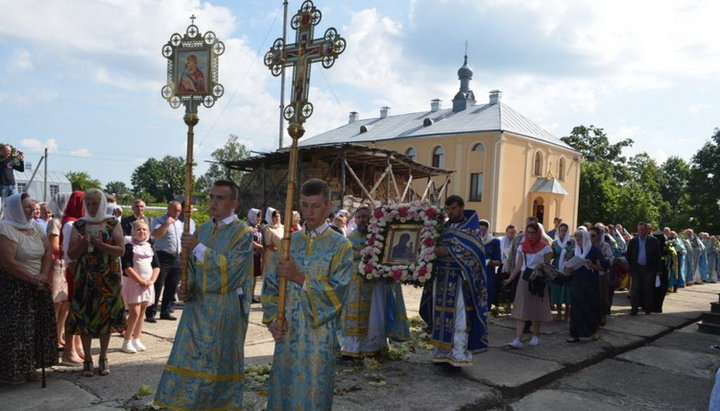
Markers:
(561, 169)
(537, 170)
(479, 147)
(438, 157)
(411, 153)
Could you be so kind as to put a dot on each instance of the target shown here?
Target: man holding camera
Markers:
(8, 163)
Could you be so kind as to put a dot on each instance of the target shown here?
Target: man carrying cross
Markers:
(318, 275)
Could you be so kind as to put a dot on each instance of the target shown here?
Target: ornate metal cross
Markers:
(300, 55)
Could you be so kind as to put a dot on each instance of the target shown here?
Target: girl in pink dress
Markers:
(140, 270)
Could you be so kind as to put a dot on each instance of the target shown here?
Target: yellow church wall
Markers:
(509, 170)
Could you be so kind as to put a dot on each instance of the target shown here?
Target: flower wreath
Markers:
(428, 216)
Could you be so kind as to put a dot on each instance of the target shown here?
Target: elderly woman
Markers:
(273, 233)
(96, 245)
(296, 226)
(57, 280)
(532, 251)
(585, 287)
(27, 322)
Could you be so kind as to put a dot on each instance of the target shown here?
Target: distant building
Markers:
(56, 181)
(507, 167)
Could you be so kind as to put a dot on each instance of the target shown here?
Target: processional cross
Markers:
(300, 55)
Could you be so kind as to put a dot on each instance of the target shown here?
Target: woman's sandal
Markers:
(103, 368)
(573, 340)
(88, 369)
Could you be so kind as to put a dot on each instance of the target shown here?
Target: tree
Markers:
(704, 185)
(674, 178)
(231, 151)
(81, 180)
(162, 179)
(120, 190)
(594, 145)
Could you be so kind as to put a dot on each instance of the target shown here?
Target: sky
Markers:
(83, 77)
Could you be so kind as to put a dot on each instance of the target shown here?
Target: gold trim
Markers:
(223, 275)
(203, 375)
(176, 408)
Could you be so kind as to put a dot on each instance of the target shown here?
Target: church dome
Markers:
(465, 71)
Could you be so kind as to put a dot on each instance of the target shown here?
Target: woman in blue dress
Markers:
(584, 289)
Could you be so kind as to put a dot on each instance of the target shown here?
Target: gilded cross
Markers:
(300, 55)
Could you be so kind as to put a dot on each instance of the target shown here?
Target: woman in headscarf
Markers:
(254, 219)
(532, 251)
(58, 282)
(27, 322)
(340, 221)
(585, 288)
(597, 237)
(493, 259)
(296, 226)
(73, 352)
(96, 245)
(140, 271)
(273, 233)
(563, 247)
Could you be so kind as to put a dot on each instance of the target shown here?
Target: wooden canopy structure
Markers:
(357, 175)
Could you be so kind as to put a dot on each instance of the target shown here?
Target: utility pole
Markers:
(45, 185)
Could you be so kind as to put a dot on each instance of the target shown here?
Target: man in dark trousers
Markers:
(665, 257)
(644, 259)
(8, 164)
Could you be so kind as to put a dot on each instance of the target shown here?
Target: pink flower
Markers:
(429, 242)
(397, 274)
(371, 241)
(430, 212)
(422, 271)
(403, 211)
(369, 268)
(378, 213)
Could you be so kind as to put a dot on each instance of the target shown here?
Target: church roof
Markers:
(495, 116)
(548, 185)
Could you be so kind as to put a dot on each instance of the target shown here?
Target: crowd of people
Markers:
(77, 270)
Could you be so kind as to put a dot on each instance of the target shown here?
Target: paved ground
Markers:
(656, 362)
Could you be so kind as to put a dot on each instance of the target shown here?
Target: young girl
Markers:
(140, 270)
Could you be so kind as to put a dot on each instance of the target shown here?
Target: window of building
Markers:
(411, 153)
(479, 147)
(537, 170)
(21, 187)
(438, 157)
(476, 186)
(561, 169)
(54, 189)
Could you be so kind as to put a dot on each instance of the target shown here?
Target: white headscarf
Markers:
(582, 250)
(58, 204)
(563, 247)
(101, 214)
(268, 216)
(14, 214)
(488, 235)
(252, 216)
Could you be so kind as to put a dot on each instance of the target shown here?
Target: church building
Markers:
(506, 166)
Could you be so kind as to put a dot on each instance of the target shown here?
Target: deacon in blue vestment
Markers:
(459, 291)
(318, 275)
(374, 309)
(205, 368)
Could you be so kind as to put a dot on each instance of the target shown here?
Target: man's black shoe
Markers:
(150, 320)
(633, 312)
(168, 317)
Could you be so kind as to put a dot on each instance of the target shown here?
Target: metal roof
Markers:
(474, 119)
(52, 176)
(548, 185)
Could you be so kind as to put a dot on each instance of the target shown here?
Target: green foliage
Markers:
(231, 151)
(704, 185)
(81, 180)
(120, 190)
(594, 145)
(161, 179)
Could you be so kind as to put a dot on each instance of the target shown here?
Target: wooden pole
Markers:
(296, 131)
(191, 119)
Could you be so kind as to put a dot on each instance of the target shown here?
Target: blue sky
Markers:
(84, 77)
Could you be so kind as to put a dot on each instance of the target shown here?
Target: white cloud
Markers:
(35, 145)
(20, 61)
(81, 152)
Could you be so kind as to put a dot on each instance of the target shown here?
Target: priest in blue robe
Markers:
(318, 275)
(205, 368)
